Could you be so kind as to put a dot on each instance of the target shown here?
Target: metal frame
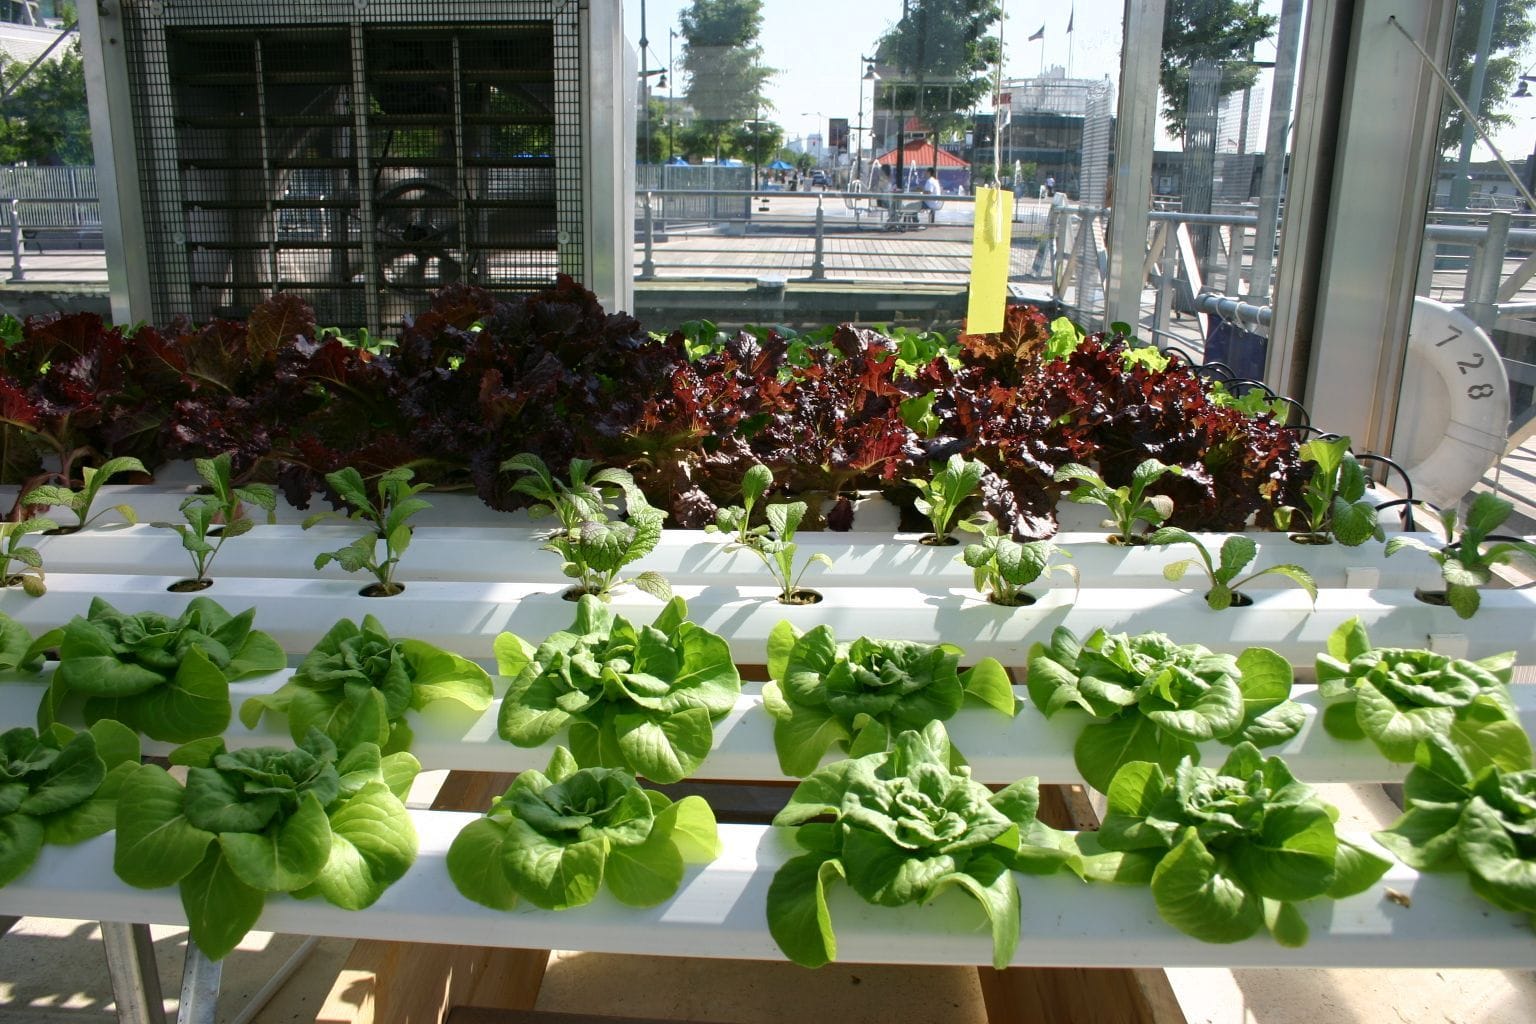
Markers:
(608, 188)
(1136, 131)
(117, 170)
(1388, 107)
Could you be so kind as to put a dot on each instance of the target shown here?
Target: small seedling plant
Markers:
(28, 569)
(941, 497)
(388, 518)
(901, 827)
(80, 502)
(1227, 852)
(594, 545)
(1478, 820)
(1150, 699)
(591, 494)
(773, 542)
(1237, 553)
(1398, 697)
(1002, 567)
(1465, 564)
(1128, 505)
(857, 696)
(219, 514)
(1333, 498)
(557, 837)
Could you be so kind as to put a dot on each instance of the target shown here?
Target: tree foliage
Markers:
(1512, 30)
(946, 43)
(46, 120)
(723, 59)
(1224, 31)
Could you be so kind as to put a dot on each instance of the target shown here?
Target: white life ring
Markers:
(1453, 413)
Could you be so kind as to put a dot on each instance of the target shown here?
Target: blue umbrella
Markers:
(780, 165)
(678, 161)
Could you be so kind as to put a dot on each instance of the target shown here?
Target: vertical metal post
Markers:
(1236, 238)
(1272, 181)
(1481, 301)
(1170, 265)
(818, 263)
(371, 305)
(648, 264)
(135, 980)
(17, 274)
(1136, 132)
(199, 987)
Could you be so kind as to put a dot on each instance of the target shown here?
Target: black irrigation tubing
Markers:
(1249, 383)
(1407, 515)
(1408, 498)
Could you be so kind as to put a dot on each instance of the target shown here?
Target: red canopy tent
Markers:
(917, 156)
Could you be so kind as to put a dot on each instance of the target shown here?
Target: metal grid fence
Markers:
(360, 156)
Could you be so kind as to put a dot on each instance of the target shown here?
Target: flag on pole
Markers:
(1070, 19)
(1037, 35)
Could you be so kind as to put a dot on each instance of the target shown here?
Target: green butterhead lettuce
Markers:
(856, 696)
(1153, 700)
(1226, 852)
(906, 828)
(265, 820)
(59, 787)
(358, 683)
(165, 677)
(640, 698)
(1400, 697)
(556, 837)
(19, 651)
(1481, 821)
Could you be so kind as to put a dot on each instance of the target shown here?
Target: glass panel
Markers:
(1478, 254)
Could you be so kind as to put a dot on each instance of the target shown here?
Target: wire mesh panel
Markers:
(358, 155)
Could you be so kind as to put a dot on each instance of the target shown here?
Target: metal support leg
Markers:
(17, 273)
(819, 264)
(199, 988)
(648, 265)
(135, 979)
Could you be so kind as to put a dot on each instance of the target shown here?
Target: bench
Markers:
(719, 910)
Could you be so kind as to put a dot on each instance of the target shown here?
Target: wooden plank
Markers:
(1046, 995)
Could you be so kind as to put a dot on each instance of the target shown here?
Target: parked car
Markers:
(819, 178)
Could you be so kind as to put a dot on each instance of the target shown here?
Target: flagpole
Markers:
(1071, 43)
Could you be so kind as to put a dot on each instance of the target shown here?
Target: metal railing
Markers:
(36, 217)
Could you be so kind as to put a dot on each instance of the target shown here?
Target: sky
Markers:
(816, 45)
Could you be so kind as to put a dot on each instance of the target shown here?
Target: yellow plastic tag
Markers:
(990, 248)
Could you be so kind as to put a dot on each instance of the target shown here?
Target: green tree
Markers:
(1512, 30)
(1224, 31)
(724, 64)
(656, 126)
(945, 57)
(756, 141)
(46, 120)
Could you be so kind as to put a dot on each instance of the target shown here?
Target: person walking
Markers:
(932, 189)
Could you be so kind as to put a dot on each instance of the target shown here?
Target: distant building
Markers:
(1045, 124)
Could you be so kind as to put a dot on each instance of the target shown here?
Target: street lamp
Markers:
(671, 110)
(858, 139)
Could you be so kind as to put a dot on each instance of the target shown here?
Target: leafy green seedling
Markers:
(29, 574)
(940, 498)
(1127, 505)
(774, 543)
(231, 500)
(1237, 553)
(219, 514)
(594, 552)
(1333, 497)
(589, 495)
(1002, 567)
(388, 517)
(79, 502)
(1465, 564)
(1253, 402)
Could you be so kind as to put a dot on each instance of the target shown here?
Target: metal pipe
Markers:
(648, 265)
(263, 995)
(131, 964)
(818, 262)
(1228, 308)
(17, 274)
(1481, 298)
(1272, 182)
